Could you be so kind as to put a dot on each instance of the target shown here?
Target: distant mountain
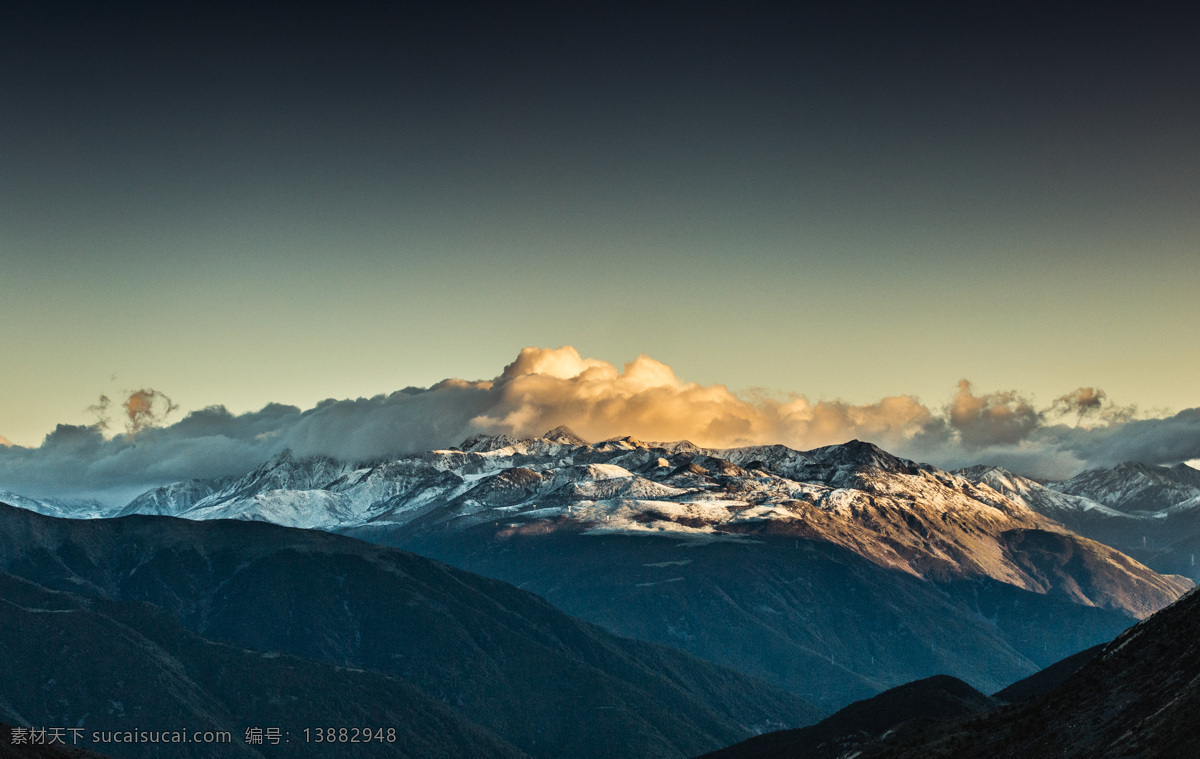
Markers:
(55, 507)
(836, 573)
(863, 572)
(204, 622)
(1134, 487)
(1138, 698)
(934, 699)
(171, 499)
(1037, 496)
(915, 518)
(284, 490)
(1150, 513)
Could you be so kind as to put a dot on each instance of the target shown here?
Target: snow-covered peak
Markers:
(627, 443)
(861, 455)
(485, 443)
(1033, 495)
(1135, 487)
(55, 507)
(173, 499)
(678, 446)
(285, 471)
(565, 436)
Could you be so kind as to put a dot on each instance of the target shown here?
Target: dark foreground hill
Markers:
(934, 699)
(1136, 699)
(1046, 680)
(147, 621)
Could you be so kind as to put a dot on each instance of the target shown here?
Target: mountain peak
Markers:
(564, 435)
(1133, 486)
(1183, 473)
(627, 443)
(980, 470)
(483, 443)
(860, 454)
(279, 458)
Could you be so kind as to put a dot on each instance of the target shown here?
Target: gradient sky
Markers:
(248, 206)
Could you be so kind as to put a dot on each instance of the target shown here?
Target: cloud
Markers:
(146, 408)
(1088, 403)
(1165, 440)
(143, 408)
(1081, 401)
(992, 418)
(543, 388)
(4, 441)
(100, 410)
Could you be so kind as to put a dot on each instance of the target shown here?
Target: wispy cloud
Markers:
(1091, 403)
(544, 388)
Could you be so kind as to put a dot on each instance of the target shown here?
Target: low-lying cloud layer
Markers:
(544, 388)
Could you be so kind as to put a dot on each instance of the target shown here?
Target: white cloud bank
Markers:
(544, 388)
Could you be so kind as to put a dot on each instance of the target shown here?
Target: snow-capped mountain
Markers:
(1036, 496)
(895, 513)
(1132, 488)
(1151, 513)
(54, 507)
(284, 490)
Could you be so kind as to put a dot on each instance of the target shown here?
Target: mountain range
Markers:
(835, 573)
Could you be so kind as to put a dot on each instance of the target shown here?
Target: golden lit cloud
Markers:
(547, 387)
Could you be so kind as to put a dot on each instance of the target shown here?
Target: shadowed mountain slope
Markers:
(1138, 698)
(123, 666)
(1047, 679)
(503, 658)
(934, 699)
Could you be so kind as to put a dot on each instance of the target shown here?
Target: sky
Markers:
(260, 205)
